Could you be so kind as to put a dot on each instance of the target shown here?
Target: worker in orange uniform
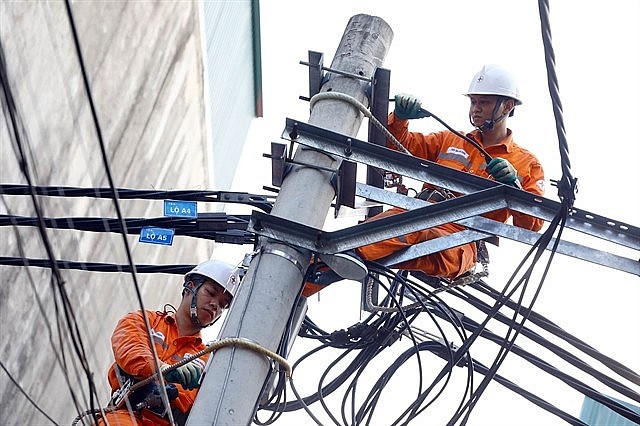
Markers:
(493, 94)
(207, 291)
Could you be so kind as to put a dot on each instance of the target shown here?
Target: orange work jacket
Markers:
(450, 150)
(132, 353)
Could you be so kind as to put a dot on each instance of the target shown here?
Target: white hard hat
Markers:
(494, 80)
(223, 273)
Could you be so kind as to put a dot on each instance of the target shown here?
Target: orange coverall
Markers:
(131, 351)
(450, 150)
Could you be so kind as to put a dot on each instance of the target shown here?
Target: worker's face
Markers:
(481, 108)
(213, 299)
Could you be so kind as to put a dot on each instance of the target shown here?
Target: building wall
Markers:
(228, 35)
(145, 67)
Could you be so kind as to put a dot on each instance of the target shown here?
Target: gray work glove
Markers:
(502, 170)
(408, 107)
(187, 375)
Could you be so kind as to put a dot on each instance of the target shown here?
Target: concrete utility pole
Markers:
(236, 376)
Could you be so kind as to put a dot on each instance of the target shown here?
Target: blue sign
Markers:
(153, 235)
(181, 208)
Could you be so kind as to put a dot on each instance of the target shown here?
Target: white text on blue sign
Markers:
(181, 208)
(154, 235)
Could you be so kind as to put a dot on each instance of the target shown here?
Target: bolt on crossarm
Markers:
(236, 376)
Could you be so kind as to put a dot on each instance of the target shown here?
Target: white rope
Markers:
(356, 103)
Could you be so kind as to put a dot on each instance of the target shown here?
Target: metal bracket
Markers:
(278, 163)
(380, 109)
(462, 182)
(315, 72)
(346, 186)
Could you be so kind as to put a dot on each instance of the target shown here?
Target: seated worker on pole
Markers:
(493, 94)
(207, 291)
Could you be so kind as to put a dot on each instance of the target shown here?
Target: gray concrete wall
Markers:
(144, 63)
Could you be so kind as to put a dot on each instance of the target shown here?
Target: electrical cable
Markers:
(557, 331)
(357, 366)
(414, 407)
(116, 203)
(472, 326)
(217, 227)
(556, 350)
(540, 247)
(26, 395)
(263, 202)
(538, 339)
(311, 330)
(59, 355)
(16, 131)
(567, 186)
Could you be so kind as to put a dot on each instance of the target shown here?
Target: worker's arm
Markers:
(532, 180)
(418, 144)
(130, 346)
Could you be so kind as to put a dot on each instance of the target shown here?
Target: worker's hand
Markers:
(502, 170)
(407, 107)
(187, 375)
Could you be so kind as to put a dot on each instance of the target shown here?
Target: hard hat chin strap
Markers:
(193, 309)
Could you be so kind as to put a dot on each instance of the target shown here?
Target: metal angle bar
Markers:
(370, 232)
(491, 227)
(433, 246)
(582, 221)
(426, 171)
(568, 248)
(365, 233)
(426, 216)
(382, 157)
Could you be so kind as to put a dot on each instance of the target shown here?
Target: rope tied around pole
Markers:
(119, 398)
(362, 108)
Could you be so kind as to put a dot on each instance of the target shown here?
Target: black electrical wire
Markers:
(26, 395)
(524, 393)
(557, 331)
(535, 318)
(416, 407)
(476, 145)
(216, 226)
(364, 415)
(263, 202)
(116, 204)
(16, 130)
(566, 378)
(96, 266)
(59, 355)
(204, 222)
(392, 324)
(444, 311)
(567, 186)
(279, 392)
(473, 326)
(540, 247)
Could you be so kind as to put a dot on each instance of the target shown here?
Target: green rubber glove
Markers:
(187, 375)
(407, 107)
(502, 170)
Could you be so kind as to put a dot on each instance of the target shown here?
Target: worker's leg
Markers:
(448, 263)
(125, 418)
